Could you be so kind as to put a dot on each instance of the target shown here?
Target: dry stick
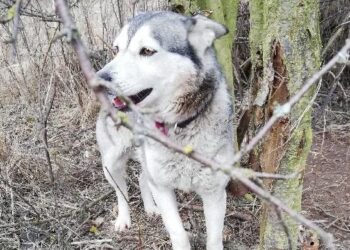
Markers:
(52, 40)
(85, 208)
(334, 85)
(335, 35)
(89, 73)
(20, 196)
(16, 18)
(44, 118)
(238, 80)
(90, 242)
(110, 175)
(5, 20)
(285, 227)
(17, 7)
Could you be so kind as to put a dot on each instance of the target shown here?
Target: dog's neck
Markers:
(193, 102)
(193, 105)
(162, 127)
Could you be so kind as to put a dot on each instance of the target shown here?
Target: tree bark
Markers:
(285, 49)
(224, 12)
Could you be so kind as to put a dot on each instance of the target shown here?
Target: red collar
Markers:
(162, 128)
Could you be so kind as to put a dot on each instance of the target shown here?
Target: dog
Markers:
(166, 64)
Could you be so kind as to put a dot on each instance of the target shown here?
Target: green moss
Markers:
(224, 12)
(256, 29)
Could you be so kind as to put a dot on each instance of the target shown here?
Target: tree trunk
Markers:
(285, 49)
(224, 12)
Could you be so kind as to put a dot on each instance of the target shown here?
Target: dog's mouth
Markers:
(137, 98)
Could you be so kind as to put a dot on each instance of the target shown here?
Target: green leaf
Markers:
(11, 12)
(93, 229)
(187, 149)
(123, 117)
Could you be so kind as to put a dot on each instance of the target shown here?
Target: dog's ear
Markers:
(202, 32)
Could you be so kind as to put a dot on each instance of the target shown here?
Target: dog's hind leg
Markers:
(147, 197)
(214, 205)
(114, 169)
(167, 205)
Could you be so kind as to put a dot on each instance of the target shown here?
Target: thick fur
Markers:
(189, 95)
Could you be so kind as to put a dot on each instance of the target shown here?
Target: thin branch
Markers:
(334, 85)
(43, 17)
(50, 96)
(334, 37)
(20, 196)
(116, 184)
(90, 242)
(15, 27)
(65, 215)
(285, 227)
(5, 20)
(51, 92)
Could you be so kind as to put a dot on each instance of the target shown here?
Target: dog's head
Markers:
(165, 62)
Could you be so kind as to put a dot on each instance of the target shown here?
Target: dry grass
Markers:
(68, 213)
(79, 179)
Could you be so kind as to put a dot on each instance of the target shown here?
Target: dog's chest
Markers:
(173, 169)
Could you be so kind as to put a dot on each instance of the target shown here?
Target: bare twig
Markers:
(90, 242)
(20, 196)
(334, 37)
(15, 27)
(65, 215)
(42, 16)
(119, 14)
(284, 226)
(334, 85)
(44, 115)
(116, 184)
(5, 20)
(43, 119)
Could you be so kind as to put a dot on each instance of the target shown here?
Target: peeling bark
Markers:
(274, 146)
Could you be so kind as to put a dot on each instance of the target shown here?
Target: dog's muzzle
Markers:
(139, 97)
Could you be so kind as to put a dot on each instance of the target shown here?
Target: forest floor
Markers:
(82, 206)
(326, 196)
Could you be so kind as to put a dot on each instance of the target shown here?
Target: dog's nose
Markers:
(105, 76)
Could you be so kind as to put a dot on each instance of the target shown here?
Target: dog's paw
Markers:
(122, 223)
(152, 210)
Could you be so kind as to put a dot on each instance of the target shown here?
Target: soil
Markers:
(326, 196)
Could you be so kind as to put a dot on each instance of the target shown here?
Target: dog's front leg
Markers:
(147, 197)
(114, 170)
(214, 205)
(167, 205)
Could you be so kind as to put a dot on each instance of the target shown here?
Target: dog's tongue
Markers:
(161, 127)
(119, 104)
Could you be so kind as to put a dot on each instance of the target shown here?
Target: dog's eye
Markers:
(147, 52)
(115, 50)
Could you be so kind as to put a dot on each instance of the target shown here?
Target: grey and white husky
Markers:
(166, 63)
